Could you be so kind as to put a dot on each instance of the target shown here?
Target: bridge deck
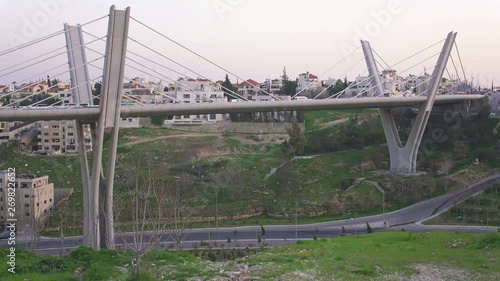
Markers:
(92, 113)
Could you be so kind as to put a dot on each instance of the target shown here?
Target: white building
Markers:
(143, 91)
(196, 91)
(308, 81)
(273, 86)
(249, 88)
(416, 85)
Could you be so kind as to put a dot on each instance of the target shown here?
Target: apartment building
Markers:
(196, 91)
(34, 197)
(308, 81)
(249, 88)
(60, 137)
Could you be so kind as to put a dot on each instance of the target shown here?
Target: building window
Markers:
(186, 96)
(50, 200)
(27, 214)
(130, 120)
(1, 199)
(44, 201)
(1, 208)
(26, 196)
(26, 205)
(38, 204)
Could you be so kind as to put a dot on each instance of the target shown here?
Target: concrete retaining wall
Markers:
(262, 128)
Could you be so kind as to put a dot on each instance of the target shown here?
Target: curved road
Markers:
(409, 218)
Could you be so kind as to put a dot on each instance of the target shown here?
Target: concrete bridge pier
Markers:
(403, 158)
(98, 187)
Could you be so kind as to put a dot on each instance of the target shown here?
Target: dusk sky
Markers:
(257, 38)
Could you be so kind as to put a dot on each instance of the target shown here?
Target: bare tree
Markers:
(178, 202)
(445, 165)
(148, 226)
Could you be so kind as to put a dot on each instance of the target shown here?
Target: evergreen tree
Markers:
(297, 141)
(289, 87)
(228, 88)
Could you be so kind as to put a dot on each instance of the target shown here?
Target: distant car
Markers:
(300, 98)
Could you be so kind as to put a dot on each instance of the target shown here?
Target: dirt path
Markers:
(184, 135)
(329, 124)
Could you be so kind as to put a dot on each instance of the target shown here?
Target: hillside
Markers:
(248, 179)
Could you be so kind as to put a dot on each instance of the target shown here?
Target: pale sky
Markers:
(257, 38)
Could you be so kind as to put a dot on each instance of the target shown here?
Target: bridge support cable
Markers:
(165, 77)
(234, 94)
(44, 38)
(324, 73)
(229, 91)
(460, 60)
(334, 82)
(203, 58)
(403, 159)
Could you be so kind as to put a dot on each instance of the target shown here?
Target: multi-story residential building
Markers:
(27, 89)
(307, 81)
(249, 88)
(416, 85)
(273, 86)
(21, 132)
(60, 137)
(142, 90)
(34, 197)
(196, 91)
(359, 87)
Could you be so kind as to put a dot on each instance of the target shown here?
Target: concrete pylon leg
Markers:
(84, 166)
(81, 93)
(403, 159)
(111, 93)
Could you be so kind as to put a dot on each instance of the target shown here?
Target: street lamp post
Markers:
(217, 214)
(209, 229)
(296, 219)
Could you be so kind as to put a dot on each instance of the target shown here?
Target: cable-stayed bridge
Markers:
(117, 59)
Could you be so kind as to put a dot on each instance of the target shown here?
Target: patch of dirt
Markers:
(472, 174)
(261, 138)
(428, 272)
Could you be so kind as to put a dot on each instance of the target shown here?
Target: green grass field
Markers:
(378, 256)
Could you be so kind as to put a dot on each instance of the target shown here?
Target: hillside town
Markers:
(59, 137)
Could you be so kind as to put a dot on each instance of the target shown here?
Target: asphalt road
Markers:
(409, 218)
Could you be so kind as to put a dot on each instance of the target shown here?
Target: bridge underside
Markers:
(91, 114)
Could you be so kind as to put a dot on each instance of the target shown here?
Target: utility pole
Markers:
(296, 219)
